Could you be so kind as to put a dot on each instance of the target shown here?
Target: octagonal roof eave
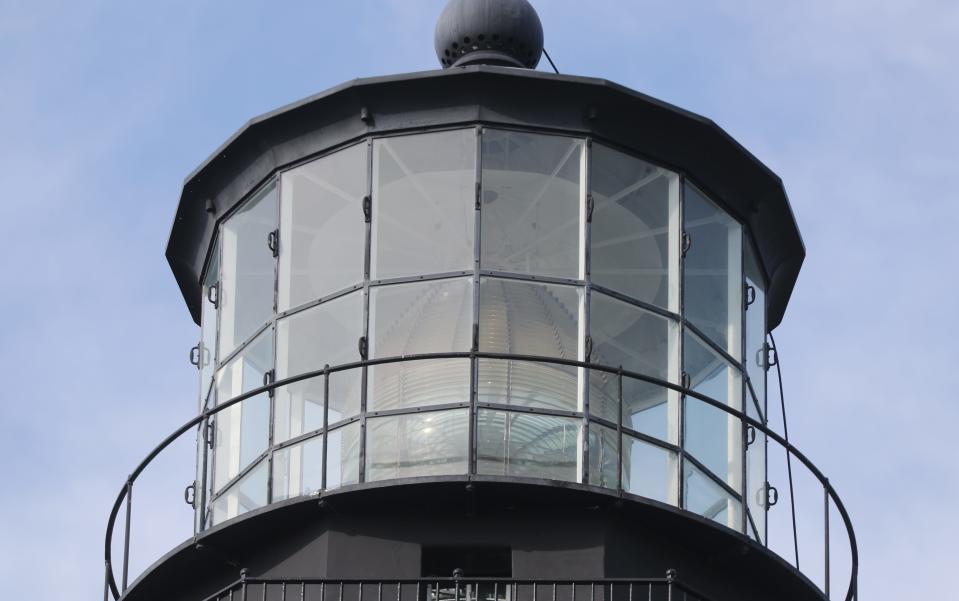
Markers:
(706, 153)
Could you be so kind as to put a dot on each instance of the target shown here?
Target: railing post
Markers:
(126, 533)
(243, 584)
(106, 581)
(670, 578)
(825, 490)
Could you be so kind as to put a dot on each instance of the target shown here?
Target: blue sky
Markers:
(106, 106)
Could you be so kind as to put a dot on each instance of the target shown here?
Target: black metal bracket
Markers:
(363, 347)
(590, 205)
(772, 357)
(750, 435)
(273, 242)
(195, 356)
(772, 495)
(268, 378)
(213, 295)
(687, 243)
(210, 433)
(367, 208)
(479, 196)
(750, 295)
(366, 116)
(589, 348)
(685, 379)
(189, 495)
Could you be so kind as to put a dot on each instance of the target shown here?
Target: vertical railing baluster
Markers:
(126, 533)
(283, 592)
(303, 591)
(263, 598)
(825, 490)
(398, 587)
(243, 573)
(106, 581)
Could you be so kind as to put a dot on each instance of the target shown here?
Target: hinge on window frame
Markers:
(367, 209)
(590, 204)
(195, 356)
(685, 379)
(210, 433)
(273, 242)
(268, 378)
(363, 347)
(213, 295)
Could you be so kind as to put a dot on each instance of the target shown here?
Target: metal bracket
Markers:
(685, 379)
(590, 204)
(195, 356)
(213, 295)
(589, 348)
(363, 347)
(273, 242)
(367, 208)
(687, 243)
(750, 435)
(479, 195)
(268, 378)
(772, 356)
(210, 433)
(189, 495)
(772, 495)
(366, 116)
(750, 295)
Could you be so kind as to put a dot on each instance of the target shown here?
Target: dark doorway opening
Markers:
(476, 562)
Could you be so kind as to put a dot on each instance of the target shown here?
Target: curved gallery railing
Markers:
(688, 497)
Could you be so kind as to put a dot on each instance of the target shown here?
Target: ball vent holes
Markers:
(484, 42)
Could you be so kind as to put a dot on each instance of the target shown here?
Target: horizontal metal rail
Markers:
(125, 493)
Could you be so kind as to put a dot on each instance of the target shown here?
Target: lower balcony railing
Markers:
(825, 500)
(669, 588)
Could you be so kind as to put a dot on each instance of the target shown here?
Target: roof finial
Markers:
(489, 32)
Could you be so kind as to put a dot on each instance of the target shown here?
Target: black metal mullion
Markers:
(709, 473)
(474, 347)
(635, 302)
(712, 345)
(744, 387)
(681, 410)
(367, 260)
(586, 232)
(525, 277)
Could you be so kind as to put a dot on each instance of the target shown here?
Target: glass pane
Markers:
(527, 445)
(425, 317)
(208, 326)
(528, 384)
(298, 469)
(627, 336)
(603, 456)
(529, 319)
(713, 436)
(248, 270)
(242, 430)
(635, 228)
(756, 476)
(755, 360)
(421, 444)
(424, 190)
(649, 471)
(343, 456)
(707, 498)
(247, 494)
(712, 271)
(533, 204)
(650, 409)
(306, 341)
(322, 229)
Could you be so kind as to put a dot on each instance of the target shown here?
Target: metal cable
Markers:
(789, 463)
(551, 63)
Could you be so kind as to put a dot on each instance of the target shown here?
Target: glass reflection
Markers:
(533, 201)
(409, 319)
(298, 469)
(707, 498)
(424, 189)
(248, 270)
(343, 456)
(242, 430)
(306, 341)
(649, 471)
(527, 445)
(603, 456)
(249, 493)
(713, 272)
(529, 319)
(635, 228)
(435, 443)
(322, 230)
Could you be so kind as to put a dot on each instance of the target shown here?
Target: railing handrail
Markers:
(125, 492)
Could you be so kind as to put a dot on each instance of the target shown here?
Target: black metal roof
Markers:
(609, 112)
